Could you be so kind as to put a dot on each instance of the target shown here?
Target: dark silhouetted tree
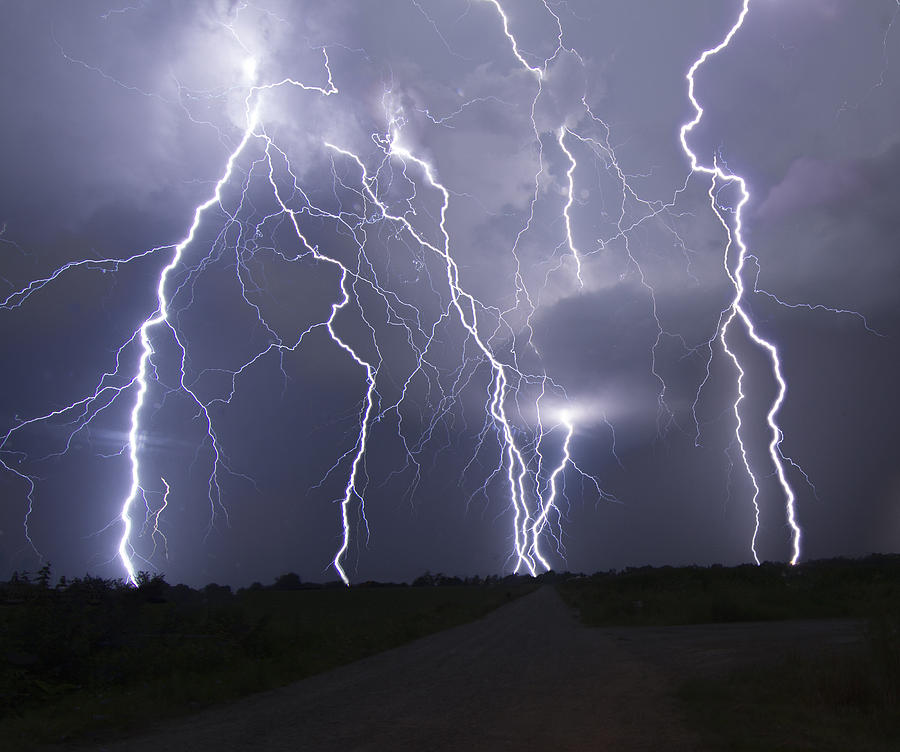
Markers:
(289, 581)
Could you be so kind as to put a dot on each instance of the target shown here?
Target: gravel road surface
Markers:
(526, 677)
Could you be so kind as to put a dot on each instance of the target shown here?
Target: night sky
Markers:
(120, 121)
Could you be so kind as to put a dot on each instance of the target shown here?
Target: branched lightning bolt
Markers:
(808, 306)
(503, 378)
(155, 531)
(161, 317)
(736, 313)
(549, 504)
(570, 197)
(82, 412)
(626, 222)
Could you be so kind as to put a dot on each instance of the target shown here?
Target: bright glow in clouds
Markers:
(250, 69)
(397, 306)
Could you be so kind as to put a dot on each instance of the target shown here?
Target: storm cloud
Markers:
(119, 121)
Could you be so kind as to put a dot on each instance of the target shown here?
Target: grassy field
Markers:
(97, 658)
(833, 702)
(823, 699)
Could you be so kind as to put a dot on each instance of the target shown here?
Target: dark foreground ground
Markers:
(528, 676)
(714, 650)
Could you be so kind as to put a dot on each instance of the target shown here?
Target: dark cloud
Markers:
(810, 182)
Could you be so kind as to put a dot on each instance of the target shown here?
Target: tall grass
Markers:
(832, 701)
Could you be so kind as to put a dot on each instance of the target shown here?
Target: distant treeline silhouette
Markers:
(153, 588)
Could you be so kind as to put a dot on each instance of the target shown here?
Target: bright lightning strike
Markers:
(737, 311)
(161, 317)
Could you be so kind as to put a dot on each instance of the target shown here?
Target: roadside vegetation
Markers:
(647, 596)
(92, 656)
(826, 699)
(833, 701)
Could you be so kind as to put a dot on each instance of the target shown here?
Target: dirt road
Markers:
(526, 677)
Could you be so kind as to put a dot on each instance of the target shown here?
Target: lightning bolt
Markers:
(159, 318)
(502, 381)
(736, 314)
(107, 390)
